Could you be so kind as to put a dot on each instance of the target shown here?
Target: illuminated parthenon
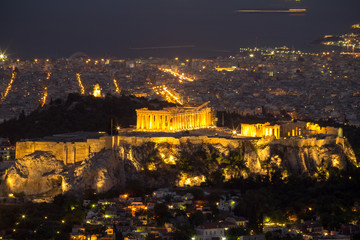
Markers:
(175, 119)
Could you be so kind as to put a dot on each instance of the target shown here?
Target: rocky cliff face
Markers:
(39, 173)
(184, 161)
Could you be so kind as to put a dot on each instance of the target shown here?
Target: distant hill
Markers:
(78, 113)
(349, 39)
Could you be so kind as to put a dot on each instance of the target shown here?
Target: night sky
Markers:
(135, 28)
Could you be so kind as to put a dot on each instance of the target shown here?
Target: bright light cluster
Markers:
(97, 90)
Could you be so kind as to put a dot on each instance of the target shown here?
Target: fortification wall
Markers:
(67, 152)
(137, 141)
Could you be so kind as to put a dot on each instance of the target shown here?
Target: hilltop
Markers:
(78, 113)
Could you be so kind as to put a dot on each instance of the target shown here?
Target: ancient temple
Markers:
(175, 119)
(260, 130)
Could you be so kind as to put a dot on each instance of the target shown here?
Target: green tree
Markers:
(236, 232)
(161, 213)
(197, 218)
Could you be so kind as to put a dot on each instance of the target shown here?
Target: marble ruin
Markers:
(175, 119)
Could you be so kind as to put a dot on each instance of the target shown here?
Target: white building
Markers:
(210, 231)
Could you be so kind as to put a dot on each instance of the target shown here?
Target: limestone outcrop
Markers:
(38, 173)
(41, 174)
(175, 161)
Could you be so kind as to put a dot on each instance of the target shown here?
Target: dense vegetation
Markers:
(299, 198)
(41, 221)
(77, 113)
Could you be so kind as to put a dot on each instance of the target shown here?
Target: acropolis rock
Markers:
(167, 161)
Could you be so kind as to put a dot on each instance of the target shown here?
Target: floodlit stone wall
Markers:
(291, 129)
(68, 152)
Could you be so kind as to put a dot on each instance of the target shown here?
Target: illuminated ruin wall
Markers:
(291, 129)
(68, 152)
(296, 129)
(174, 119)
(260, 130)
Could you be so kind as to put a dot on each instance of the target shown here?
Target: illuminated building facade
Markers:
(175, 119)
(290, 129)
(260, 130)
(299, 128)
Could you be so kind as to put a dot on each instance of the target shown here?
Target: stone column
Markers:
(209, 120)
(137, 121)
(171, 123)
(197, 120)
(193, 119)
(177, 127)
(143, 123)
(151, 122)
(189, 120)
(163, 119)
(199, 116)
(156, 121)
(147, 122)
(161, 122)
(203, 119)
(206, 119)
(174, 121)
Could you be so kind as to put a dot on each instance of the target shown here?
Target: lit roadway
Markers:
(6, 93)
(43, 99)
(117, 89)
(81, 86)
(180, 76)
(173, 96)
(167, 95)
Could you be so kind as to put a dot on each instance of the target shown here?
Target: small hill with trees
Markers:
(78, 113)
